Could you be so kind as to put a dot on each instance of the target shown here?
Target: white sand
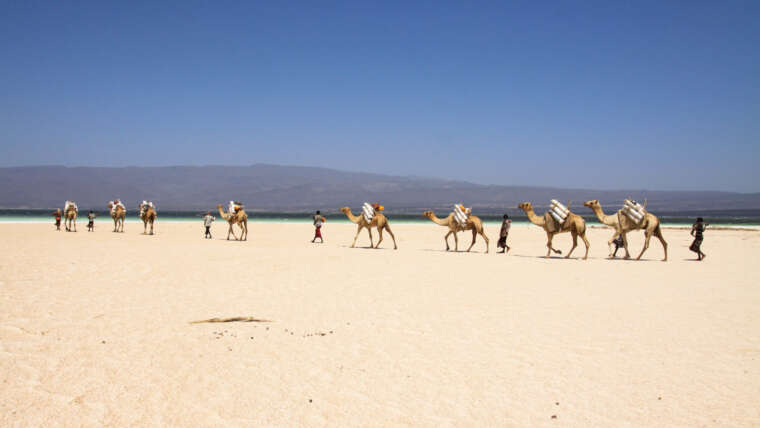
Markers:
(94, 330)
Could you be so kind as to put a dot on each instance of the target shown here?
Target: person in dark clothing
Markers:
(506, 224)
(319, 220)
(57, 215)
(618, 244)
(696, 231)
(91, 221)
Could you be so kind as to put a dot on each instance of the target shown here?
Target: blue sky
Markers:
(657, 95)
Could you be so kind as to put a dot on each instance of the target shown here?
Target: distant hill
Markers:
(301, 189)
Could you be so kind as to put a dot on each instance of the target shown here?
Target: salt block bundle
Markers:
(234, 207)
(558, 211)
(368, 211)
(114, 205)
(72, 203)
(145, 205)
(460, 215)
(633, 210)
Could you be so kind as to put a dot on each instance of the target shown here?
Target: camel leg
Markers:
(575, 244)
(550, 236)
(485, 238)
(245, 229)
(625, 245)
(446, 238)
(358, 230)
(474, 237)
(658, 234)
(369, 230)
(395, 247)
(588, 245)
(151, 228)
(646, 245)
(609, 243)
(456, 242)
(380, 239)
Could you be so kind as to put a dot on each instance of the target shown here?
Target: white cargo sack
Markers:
(70, 203)
(633, 210)
(368, 212)
(114, 205)
(558, 211)
(459, 215)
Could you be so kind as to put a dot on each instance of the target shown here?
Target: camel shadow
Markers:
(552, 257)
(365, 248)
(452, 251)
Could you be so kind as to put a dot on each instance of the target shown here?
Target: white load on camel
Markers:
(633, 210)
(461, 214)
(70, 203)
(144, 205)
(233, 207)
(368, 212)
(558, 211)
(117, 203)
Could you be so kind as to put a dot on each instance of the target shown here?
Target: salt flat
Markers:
(95, 330)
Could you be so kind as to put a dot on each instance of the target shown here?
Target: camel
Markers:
(473, 223)
(379, 221)
(573, 224)
(70, 217)
(240, 218)
(622, 225)
(118, 216)
(148, 215)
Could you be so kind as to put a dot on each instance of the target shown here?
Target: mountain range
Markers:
(270, 188)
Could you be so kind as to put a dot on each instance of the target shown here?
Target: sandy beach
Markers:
(95, 329)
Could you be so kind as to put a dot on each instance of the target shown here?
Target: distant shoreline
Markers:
(592, 223)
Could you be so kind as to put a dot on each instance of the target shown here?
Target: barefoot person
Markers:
(207, 220)
(696, 231)
(506, 224)
(91, 221)
(319, 220)
(57, 215)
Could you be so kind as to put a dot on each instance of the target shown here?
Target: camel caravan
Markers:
(559, 218)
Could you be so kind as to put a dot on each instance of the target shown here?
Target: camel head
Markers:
(345, 210)
(525, 206)
(592, 204)
(110, 204)
(428, 214)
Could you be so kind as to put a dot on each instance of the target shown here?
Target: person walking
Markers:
(319, 220)
(696, 231)
(207, 220)
(57, 215)
(91, 221)
(618, 243)
(506, 224)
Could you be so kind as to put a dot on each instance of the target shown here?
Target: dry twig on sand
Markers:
(233, 319)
